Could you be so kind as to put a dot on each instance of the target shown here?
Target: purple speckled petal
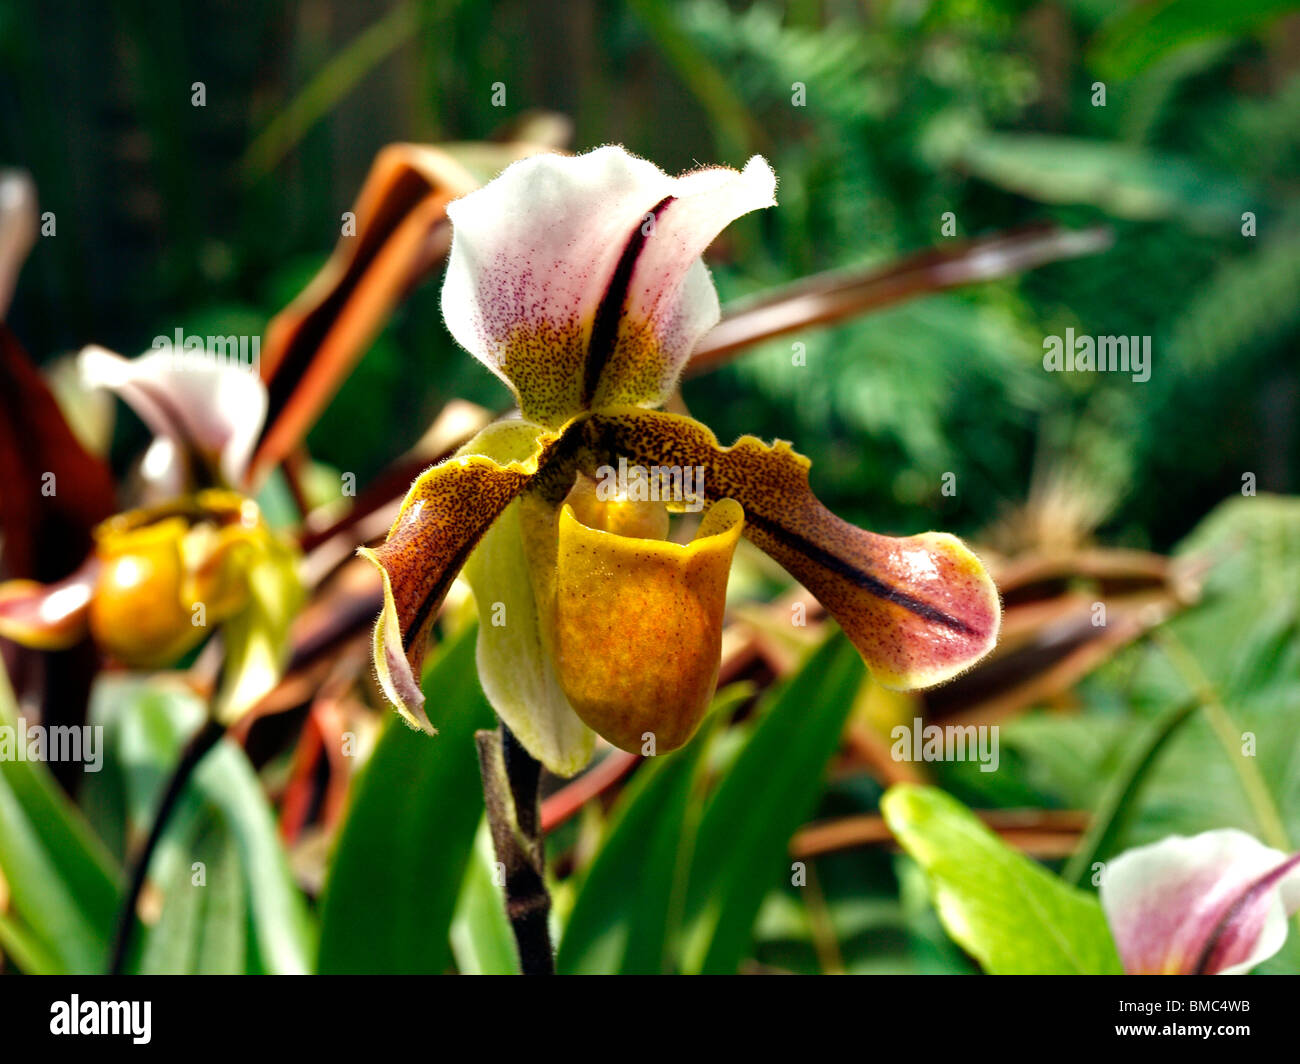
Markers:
(1215, 903)
(576, 275)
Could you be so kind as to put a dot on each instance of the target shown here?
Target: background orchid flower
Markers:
(196, 555)
(205, 413)
(579, 282)
(1210, 904)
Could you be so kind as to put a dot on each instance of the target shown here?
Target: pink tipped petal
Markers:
(1254, 927)
(1214, 903)
(573, 273)
(48, 616)
(671, 302)
(211, 408)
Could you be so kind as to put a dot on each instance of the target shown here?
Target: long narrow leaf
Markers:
(404, 847)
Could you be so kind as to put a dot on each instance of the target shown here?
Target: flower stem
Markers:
(202, 741)
(510, 792)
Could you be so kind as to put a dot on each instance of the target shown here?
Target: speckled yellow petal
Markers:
(637, 627)
(445, 514)
(919, 609)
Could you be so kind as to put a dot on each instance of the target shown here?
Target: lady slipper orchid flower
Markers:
(198, 555)
(1210, 904)
(579, 282)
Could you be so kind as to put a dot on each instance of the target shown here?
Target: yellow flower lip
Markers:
(636, 633)
(168, 573)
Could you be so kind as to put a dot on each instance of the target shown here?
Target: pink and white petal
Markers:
(48, 616)
(1255, 927)
(532, 255)
(671, 301)
(573, 274)
(211, 409)
(1167, 903)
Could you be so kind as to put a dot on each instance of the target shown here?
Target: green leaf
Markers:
(1122, 792)
(63, 885)
(481, 938)
(741, 849)
(403, 850)
(283, 933)
(1010, 914)
(1143, 33)
(1242, 638)
(203, 924)
(222, 819)
(624, 920)
(1122, 180)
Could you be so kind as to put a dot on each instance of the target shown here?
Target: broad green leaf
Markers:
(203, 924)
(63, 885)
(404, 847)
(1122, 793)
(741, 849)
(283, 934)
(623, 919)
(26, 949)
(1243, 638)
(1010, 914)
